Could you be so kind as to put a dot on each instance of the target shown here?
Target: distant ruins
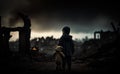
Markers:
(24, 37)
(103, 50)
(106, 35)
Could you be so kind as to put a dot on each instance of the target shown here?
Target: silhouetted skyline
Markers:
(52, 15)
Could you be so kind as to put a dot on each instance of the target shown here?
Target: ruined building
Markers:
(24, 37)
(103, 51)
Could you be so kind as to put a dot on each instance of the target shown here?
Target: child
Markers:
(59, 55)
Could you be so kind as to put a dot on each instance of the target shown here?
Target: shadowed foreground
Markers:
(26, 65)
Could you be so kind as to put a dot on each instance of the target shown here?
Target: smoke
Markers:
(9, 9)
(52, 15)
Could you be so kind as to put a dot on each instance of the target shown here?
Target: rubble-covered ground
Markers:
(27, 65)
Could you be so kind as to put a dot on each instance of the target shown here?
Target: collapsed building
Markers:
(103, 50)
(24, 37)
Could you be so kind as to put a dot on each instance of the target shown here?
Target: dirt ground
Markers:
(24, 66)
(45, 67)
(41, 67)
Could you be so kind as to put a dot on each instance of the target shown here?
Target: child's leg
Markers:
(69, 63)
(56, 67)
(63, 63)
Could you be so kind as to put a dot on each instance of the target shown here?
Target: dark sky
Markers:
(51, 15)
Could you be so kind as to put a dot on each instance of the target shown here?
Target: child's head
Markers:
(58, 48)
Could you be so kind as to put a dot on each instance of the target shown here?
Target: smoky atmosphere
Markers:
(34, 34)
(51, 16)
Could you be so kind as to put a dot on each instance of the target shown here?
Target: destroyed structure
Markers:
(24, 37)
(102, 51)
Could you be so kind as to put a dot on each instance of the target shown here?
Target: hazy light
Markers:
(15, 36)
(82, 35)
(45, 34)
(56, 34)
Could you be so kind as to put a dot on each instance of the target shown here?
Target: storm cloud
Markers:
(52, 15)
